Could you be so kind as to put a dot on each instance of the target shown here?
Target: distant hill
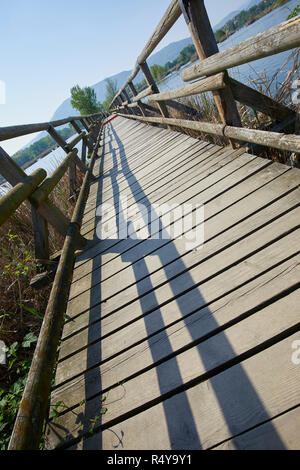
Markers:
(168, 53)
(245, 6)
(226, 19)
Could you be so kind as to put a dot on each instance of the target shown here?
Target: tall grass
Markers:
(280, 87)
(21, 307)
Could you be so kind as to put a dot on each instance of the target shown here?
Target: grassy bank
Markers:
(21, 307)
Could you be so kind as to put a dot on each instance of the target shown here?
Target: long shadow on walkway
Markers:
(233, 397)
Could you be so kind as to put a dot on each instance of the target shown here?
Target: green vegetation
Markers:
(245, 18)
(294, 13)
(22, 308)
(85, 100)
(34, 150)
(111, 91)
(184, 57)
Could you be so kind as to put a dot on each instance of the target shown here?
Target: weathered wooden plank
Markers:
(173, 288)
(286, 426)
(125, 172)
(126, 276)
(270, 187)
(153, 181)
(221, 408)
(183, 328)
(227, 219)
(193, 366)
(134, 183)
(190, 188)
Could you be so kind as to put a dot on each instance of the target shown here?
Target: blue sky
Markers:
(47, 46)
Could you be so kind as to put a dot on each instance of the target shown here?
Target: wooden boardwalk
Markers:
(169, 344)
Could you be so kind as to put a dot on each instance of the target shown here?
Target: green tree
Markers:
(84, 100)
(158, 72)
(219, 34)
(111, 91)
(294, 13)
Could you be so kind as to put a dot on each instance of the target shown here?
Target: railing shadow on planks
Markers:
(213, 66)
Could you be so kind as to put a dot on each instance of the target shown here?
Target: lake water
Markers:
(48, 163)
(244, 73)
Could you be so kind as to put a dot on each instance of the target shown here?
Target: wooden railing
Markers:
(38, 187)
(212, 71)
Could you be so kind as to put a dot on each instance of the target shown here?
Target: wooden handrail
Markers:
(213, 65)
(143, 94)
(42, 210)
(43, 191)
(17, 131)
(170, 17)
(280, 38)
(288, 142)
(33, 409)
(10, 202)
(216, 82)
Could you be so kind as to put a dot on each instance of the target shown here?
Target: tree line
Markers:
(246, 17)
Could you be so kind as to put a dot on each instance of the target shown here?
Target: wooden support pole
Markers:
(260, 102)
(84, 124)
(128, 101)
(61, 142)
(151, 82)
(72, 180)
(76, 127)
(10, 202)
(41, 235)
(135, 93)
(279, 38)
(126, 96)
(196, 17)
(14, 175)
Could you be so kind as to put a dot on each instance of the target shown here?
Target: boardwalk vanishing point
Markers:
(173, 320)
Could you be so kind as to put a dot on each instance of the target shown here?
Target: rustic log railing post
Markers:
(41, 236)
(139, 103)
(128, 101)
(76, 126)
(84, 124)
(72, 169)
(151, 82)
(84, 142)
(45, 213)
(199, 25)
(61, 142)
